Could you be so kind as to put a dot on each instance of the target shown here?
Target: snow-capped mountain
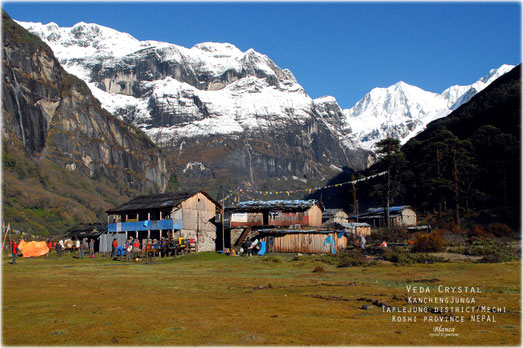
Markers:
(212, 88)
(402, 111)
(211, 104)
(179, 95)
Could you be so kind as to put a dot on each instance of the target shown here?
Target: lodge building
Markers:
(171, 215)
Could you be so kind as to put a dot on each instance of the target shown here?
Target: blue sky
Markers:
(343, 49)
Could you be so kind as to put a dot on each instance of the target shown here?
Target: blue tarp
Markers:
(145, 225)
(391, 209)
(332, 242)
(262, 248)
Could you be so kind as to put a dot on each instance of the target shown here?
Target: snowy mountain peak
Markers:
(401, 85)
(458, 95)
(327, 99)
(495, 73)
(403, 110)
(218, 48)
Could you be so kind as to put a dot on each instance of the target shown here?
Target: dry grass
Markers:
(210, 299)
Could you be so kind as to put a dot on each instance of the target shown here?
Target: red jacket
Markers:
(115, 244)
(15, 246)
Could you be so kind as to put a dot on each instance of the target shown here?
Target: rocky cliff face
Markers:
(54, 115)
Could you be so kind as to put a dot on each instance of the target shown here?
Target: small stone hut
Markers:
(332, 216)
(402, 215)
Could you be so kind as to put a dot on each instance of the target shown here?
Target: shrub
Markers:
(492, 251)
(479, 232)
(397, 256)
(349, 258)
(429, 242)
(344, 258)
(403, 257)
(390, 234)
(500, 230)
(272, 258)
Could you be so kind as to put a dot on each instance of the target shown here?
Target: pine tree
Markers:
(393, 160)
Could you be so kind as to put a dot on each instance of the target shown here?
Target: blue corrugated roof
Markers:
(391, 209)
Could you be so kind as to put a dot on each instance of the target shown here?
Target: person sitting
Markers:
(182, 244)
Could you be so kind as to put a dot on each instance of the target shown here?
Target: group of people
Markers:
(249, 246)
(133, 246)
(80, 245)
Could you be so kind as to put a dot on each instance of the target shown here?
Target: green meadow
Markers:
(213, 299)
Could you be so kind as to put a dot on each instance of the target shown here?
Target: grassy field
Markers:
(212, 299)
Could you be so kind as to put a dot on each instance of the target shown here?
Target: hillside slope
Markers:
(53, 128)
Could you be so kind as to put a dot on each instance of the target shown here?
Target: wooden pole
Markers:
(223, 219)
(354, 194)
(4, 235)
(11, 239)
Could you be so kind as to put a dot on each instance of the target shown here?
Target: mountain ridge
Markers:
(215, 93)
(405, 115)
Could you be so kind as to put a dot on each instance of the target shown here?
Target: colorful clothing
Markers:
(15, 252)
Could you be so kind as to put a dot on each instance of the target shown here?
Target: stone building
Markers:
(332, 216)
(402, 215)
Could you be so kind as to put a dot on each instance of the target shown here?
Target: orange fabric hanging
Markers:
(30, 249)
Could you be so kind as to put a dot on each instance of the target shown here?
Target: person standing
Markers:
(83, 247)
(15, 250)
(59, 247)
(363, 241)
(128, 248)
(248, 246)
(115, 248)
(91, 248)
(136, 248)
(50, 247)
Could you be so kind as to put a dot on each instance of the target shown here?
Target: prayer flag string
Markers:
(307, 190)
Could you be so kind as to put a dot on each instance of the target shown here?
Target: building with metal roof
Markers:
(170, 215)
(402, 215)
(275, 213)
